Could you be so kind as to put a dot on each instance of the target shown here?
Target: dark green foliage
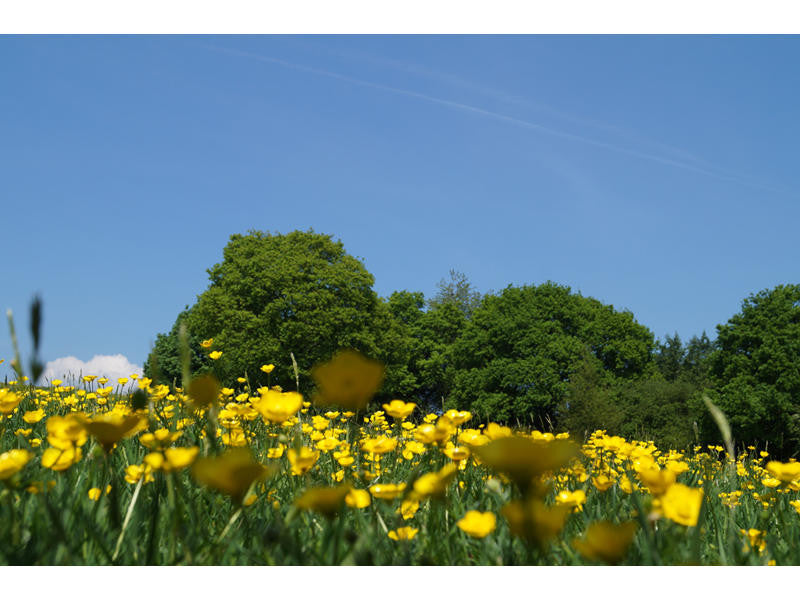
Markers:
(689, 362)
(657, 410)
(457, 291)
(429, 337)
(300, 292)
(163, 365)
(755, 370)
(590, 402)
(517, 354)
(669, 357)
(648, 408)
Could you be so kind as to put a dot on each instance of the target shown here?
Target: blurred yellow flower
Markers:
(267, 368)
(531, 520)
(358, 498)
(398, 409)
(477, 524)
(784, 472)
(109, 428)
(324, 500)
(214, 355)
(682, 504)
(387, 491)
(59, 459)
(12, 462)
(303, 460)
(277, 407)
(207, 343)
(8, 401)
(348, 380)
(403, 533)
(524, 459)
(33, 416)
(604, 541)
(231, 473)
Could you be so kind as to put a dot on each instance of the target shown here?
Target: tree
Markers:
(432, 334)
(273, 294)
(755, 370)
(517, 354)
(669, 357)
(457, 291)
(163, 365)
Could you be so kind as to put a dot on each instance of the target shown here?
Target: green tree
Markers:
(163, 365)
(457, 291)
(273, 294)
(430, 336)
(517, 354)
(755, 370)
(669, 357)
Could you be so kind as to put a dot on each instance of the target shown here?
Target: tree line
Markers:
(532, 355)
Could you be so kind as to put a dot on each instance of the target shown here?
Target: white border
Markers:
(394, 16)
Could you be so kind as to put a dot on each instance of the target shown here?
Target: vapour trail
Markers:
(485, 113)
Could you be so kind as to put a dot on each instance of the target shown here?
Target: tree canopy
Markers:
(516, 355)
(755, 370)
(276, 294)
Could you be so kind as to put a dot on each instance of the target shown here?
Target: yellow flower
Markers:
(179, 458)
(796, 505)
(33, 416)
(456, 452)
(8, 401)
(494, 431)
(277, 407)
(755, 539)
(387, 491)
(349, 380)
(160, 438)
(327, 444)
(109, 428)
(94, 494)
(324, 500)
(267, 368)
(524, 459)
(682, 504)
(403, 533)
(456, 417)
(207, 343)
(303, 460)
(358, 498)
(133, 473)
(64, 432)
(276, 452)
(785, 472)
(473, 437)
(434, 484)
(231, 473)
(59, 459)
(657, 480)
(215, 354)
(606, 542)
(531, 520)
(574, 499)
(602, 482)
(11, 462)
(430, 434)
(408, 508)
(477, 524)
(380, 445)
(398, 409)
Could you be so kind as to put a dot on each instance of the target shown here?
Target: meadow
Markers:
(131, 473)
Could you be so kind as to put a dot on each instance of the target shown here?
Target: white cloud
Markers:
(70, 368)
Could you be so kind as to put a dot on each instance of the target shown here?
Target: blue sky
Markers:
(657, 174)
